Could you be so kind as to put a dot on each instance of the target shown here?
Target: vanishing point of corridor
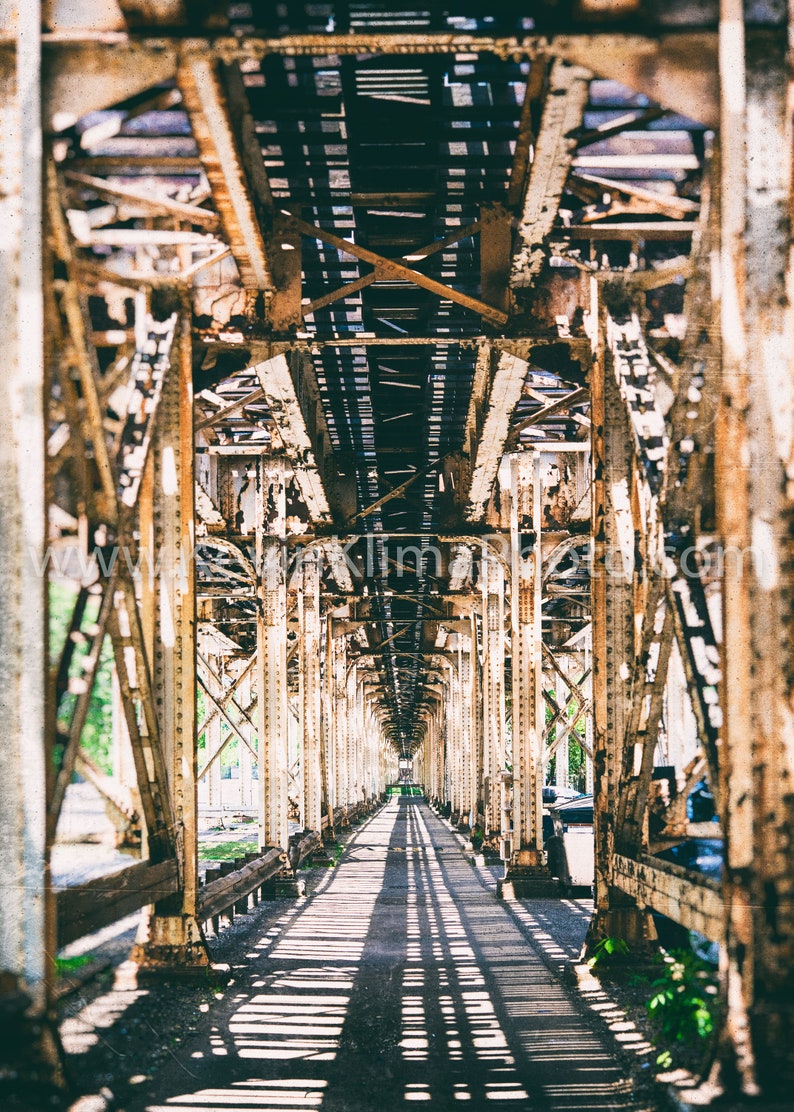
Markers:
(400, 979)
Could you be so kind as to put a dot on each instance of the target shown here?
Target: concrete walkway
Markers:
(401, 979)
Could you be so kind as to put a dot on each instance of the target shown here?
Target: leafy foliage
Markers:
(683, 1004)
(609, 950)
(97, 736)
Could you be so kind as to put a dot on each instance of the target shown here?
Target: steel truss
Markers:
(201, 352)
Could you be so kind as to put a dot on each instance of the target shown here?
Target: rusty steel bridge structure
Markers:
(396, 393)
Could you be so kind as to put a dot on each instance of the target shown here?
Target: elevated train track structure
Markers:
(401, 390)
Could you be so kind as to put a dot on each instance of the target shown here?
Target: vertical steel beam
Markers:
(613, 640)
(452, 709)
(339, 724)
(589, 728)
(437, 756)
(468, 816)
(562, 756)
(755, 504)
(27, 933)
(271, 667)
(213, 773)
(365, 712)
(328, 733)
(174, 932)
(309, 690)
(248, 787)
(352, 734)
(493, 690)
(478, 747)
(527, 673)
(526, 873)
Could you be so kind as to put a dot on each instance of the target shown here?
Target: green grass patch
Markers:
(65, 966)
(225, 851)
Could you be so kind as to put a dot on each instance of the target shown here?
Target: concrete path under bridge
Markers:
(401, 980)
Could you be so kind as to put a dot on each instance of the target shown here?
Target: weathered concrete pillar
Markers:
(309, 689)
(493, 690)
(27, 934)
(271, 668)
(174, 933)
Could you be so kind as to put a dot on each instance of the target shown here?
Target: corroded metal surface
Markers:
(387, 273)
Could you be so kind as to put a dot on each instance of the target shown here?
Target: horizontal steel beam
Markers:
(392, 268)
(219, 895)
(670, 890)
(106, 899)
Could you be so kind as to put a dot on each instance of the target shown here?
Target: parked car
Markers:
(552, 795)
(569, 843)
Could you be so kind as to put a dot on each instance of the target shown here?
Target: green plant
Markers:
(609, 950)
(65, 966)
(683, 1003)
(96, 736)
(477, 837)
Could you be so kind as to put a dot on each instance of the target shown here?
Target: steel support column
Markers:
(213, 743)
(351, 735)
(528, 709)
(249, 788)
(27, 929)
(174, 933)
(437, 757)
(755, 511)
(526, 873)
(493, 691)
(616, 914)
(309, 690)
(271, 667)
(339, 724)
(468, 808)
(452, 706)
